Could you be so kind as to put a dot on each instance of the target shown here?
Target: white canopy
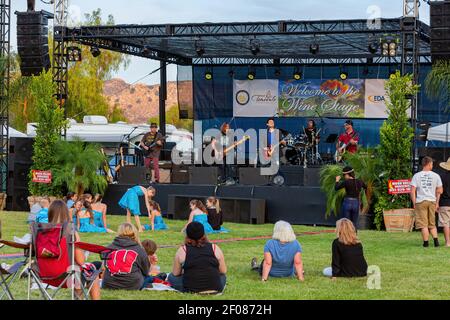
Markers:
(439, 133)
(13, 133)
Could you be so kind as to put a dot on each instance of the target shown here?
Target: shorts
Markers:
(425, 214)
(444, 216)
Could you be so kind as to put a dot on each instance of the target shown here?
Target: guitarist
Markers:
(271, 143)
(152, 154)
(349, 139)
(219, 145)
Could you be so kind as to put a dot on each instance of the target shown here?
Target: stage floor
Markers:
(295, 204)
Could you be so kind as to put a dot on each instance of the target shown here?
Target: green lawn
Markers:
(408, 271)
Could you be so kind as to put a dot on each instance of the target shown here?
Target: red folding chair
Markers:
(53, 261)
(9, 275)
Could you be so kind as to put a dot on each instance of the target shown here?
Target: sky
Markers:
(185, 11)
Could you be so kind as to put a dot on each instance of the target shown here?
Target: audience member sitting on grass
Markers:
(75, 211)
(58, 213)
(150, 248)
(70, 199)
(42, 215)
(156, 220)
(347, 253)
(85, 221)
(215, 217)
(282, 255)
(199, 214)
(128, 267)
(87, 197)
(99, 210)
(199, 266)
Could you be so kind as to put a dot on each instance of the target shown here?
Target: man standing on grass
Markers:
(426, 189)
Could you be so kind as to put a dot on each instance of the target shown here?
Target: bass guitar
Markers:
(152, 145)
(340, 151)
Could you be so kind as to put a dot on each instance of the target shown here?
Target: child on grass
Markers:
(156, 220)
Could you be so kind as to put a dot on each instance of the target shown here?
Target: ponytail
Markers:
(215, 202)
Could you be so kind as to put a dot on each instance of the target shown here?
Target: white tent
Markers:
(13, 133)
(439, 133)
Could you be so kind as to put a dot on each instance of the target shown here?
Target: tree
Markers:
(51, 122)
(396, 137)
(86, 78)
(173, 117)
(437, 83)
(77, 163)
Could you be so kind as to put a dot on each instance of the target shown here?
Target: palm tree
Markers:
(328, 175)
(77, 167)
(437, 83)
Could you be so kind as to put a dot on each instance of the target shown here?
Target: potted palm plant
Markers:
(77, 167)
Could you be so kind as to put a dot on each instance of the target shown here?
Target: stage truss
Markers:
(5, 24)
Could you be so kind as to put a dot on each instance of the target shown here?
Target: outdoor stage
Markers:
(295, 204)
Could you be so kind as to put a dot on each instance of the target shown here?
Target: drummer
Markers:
(312, 133)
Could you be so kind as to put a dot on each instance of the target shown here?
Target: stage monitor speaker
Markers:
(293, 175)
(180, 174)
(134, 175)
(18, 175)
(203, 175)
(252, 176)
(312, 177)
(32, 42)
(439, 27)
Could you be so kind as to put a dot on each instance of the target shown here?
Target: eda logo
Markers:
(376, 99)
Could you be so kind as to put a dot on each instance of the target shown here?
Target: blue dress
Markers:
(98, 218)
(86, 226)
(42, 216)
(130, 200)
(203, 219)
(158, 224)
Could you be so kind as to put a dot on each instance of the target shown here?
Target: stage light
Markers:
(254, 47)
(208, 75)
(373, 47)
(95, 51)
(278, 180)
(74, 54)
(314, 48)
(199, 49)
(389, 47)
(343, 75)
(251, 75)
(297, 75)
(145, 51)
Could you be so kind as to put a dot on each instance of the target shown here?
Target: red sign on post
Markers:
(399, 186)
(41, 176)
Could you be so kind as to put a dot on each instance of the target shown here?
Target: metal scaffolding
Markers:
(5, 24)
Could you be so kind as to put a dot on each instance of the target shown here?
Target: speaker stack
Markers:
(440, 30)
(19, 166)
(32, 42)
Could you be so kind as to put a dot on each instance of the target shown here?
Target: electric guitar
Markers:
(151, 146)
(234, 145)
(340, 151)
(268, 151)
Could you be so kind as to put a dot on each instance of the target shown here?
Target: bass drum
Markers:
(292, 156)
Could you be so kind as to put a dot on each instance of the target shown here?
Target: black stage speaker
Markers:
(179, 174)
(293, 175)
(439, 154)
(252, 176)
(440, 29)
(134, 175)
(19, 166)
(203, 175)
(312, 177)
(32, 42)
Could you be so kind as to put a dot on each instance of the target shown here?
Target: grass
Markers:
(408, 271)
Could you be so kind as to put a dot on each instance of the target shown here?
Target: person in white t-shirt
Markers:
(426, 189)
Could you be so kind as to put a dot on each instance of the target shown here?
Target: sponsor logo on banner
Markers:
(256, 98)
(375, 104)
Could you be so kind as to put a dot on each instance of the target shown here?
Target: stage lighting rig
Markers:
(208, 75)
(297, 75)
(314, 48)
(343, 75)
(254, 47)
(373, 47)
(389, 46)
(251, 74)
(74, 54)
(199, 48)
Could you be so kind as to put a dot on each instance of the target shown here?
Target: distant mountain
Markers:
(139, 102)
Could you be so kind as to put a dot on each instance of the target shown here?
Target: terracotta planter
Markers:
(399, 220)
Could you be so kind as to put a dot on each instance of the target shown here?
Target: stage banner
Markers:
(256, 98)
(375, 100)
(322, 98)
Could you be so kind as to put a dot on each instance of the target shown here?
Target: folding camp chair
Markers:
(9, 275)
(53, 261)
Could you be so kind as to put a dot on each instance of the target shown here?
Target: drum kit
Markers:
(301, 151)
